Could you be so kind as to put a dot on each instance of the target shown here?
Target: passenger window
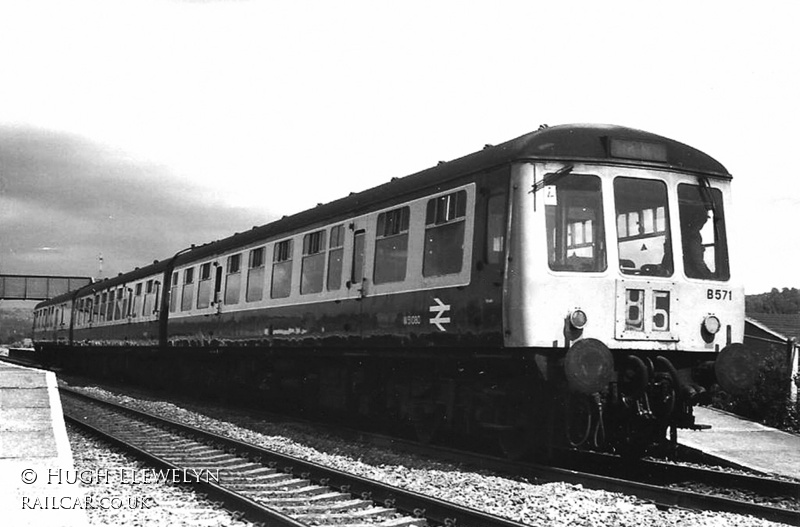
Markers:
(444, 234)
(574, 222)
(148, 306)
(137, 300)
(335, 258)
(127, 294)
(313, 265)
(173, 293)
(204, 287)
(233, 280)
(255, 276)
(282, 270)
(391, 246)
(110, 306)
(118, 304)
(188, 289)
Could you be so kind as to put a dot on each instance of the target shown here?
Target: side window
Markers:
(574, 222)
(255, 276)
(188, 289)
(282, 270)
(495, 228)
(313, 265)
(127, 294)
(204, 287)
(110, 306)
(233, 280)
(137, 300)
(116, 311)
(173, 293)
(148, 306)
(444, 234)
(79, 313)
(391, 246)
(335, 258)
(96, 309)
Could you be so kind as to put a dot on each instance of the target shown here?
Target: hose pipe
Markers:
(685, 391)
(635, 376)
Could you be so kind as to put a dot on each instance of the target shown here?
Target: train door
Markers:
(357, 281)
(218, 287)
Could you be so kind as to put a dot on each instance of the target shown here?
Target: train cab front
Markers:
(619, 282)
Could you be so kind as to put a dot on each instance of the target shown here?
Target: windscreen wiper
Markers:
(551, 178)
(707, 197)
(708, 201)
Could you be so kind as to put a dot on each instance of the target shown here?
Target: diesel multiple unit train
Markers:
(569, 287)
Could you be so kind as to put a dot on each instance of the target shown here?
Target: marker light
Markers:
(711, 324)
(577, 319)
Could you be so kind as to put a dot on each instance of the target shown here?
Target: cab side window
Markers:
(574, 221)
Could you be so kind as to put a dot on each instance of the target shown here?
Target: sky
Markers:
(132, 129)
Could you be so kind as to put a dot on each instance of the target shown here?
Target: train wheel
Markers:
(428, 421)
(515, 442)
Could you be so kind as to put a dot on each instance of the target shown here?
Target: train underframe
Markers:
(519, 400)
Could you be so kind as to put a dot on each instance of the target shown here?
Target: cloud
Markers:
(65, 200)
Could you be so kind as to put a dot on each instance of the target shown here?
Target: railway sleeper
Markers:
(403, 521)
(270, 492)
(186, 445)
(340, 506)
(310, 490)
(224, 464)
(327, 497)
(290, 483)
(376, 512)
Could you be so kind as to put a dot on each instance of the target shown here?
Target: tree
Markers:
(785, 302)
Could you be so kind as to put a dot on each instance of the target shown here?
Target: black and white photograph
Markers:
(394, 264)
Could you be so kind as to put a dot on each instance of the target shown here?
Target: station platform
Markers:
(744, 443)
(34, 445)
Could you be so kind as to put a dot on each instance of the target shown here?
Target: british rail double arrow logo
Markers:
(440, 309)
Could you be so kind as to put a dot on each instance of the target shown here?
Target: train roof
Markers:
(155, 268)
(608, 144)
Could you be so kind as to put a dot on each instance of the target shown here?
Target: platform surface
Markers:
(744, 442)
(34, 444)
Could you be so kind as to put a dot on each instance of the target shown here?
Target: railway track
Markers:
(671, 485)
(260, 485)
(664, 484)
(709, 480)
